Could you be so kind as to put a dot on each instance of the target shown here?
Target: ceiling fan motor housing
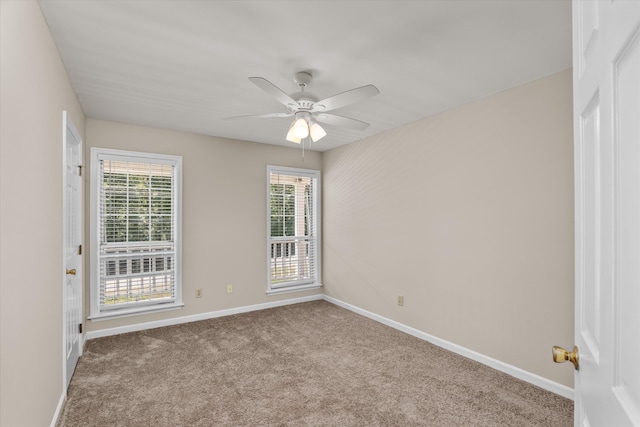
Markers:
(305, 100)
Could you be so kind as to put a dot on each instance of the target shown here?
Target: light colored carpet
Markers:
(309, 364)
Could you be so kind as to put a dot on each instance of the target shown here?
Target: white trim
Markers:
(136, 311)
(521, 374)
(197, 317)
(56, 415)
(297, 288)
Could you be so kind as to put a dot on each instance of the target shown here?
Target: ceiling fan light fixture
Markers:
(291, 137)
(300, 128)
(317, 132)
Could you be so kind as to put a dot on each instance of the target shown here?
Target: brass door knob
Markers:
(561, 355)
(71, 272)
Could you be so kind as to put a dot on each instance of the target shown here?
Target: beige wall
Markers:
(469, 215)
(224, 208)
(34, 90)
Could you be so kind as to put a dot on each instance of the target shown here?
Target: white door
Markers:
(606, 71)
(72, 241)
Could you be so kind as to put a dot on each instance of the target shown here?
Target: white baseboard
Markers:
(56, 415)
(196, 317)
(521, 374)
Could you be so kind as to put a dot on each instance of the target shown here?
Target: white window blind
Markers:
(136, 248)
(293, 224)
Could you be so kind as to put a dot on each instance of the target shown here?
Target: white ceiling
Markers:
(184, 65)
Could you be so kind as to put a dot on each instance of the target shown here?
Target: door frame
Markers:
(67, 124)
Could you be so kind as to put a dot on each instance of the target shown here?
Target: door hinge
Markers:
(79, 249)
(80, 170)
(80, 328)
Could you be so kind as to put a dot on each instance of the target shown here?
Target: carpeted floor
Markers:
(310, 364)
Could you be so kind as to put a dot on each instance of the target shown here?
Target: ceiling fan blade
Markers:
(345, 98)
(341, 121)
(259, 116)
(274, 91)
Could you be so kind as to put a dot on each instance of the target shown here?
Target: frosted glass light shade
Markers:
(291, 137)
(300, 129)
(317, 132)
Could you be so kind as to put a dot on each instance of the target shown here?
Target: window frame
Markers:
(97, 155)
(316, 281)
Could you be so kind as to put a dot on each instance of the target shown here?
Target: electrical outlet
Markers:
(400, 300)
(199, 293)
(229, 289)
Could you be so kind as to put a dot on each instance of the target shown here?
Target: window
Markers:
(293, 221)
(135, 232)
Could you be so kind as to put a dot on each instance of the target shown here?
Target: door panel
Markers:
(607, 176)
(592, 158)
(73, 214)
(626, 114)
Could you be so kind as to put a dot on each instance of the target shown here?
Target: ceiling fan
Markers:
(308, 110)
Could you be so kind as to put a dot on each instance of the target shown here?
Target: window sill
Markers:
(116, 314)
(294, 288)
